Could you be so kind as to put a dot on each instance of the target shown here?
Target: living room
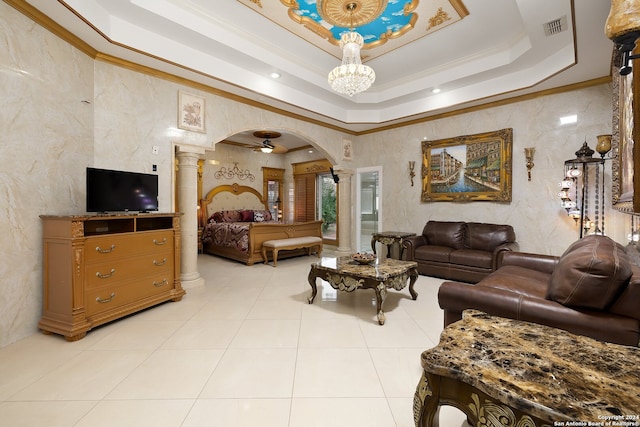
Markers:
(66, 109)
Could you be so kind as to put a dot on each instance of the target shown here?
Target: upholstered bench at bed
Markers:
(292, 243)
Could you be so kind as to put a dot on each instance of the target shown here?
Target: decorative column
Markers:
(345, 209)
(187, 185)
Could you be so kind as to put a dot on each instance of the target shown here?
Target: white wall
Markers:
(46, 142)
(540, 223)
(50, 136)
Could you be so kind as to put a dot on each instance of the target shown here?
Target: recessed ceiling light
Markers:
(435, 90)
(275, 75)
(568, 119)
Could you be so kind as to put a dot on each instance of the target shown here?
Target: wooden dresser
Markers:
(98, 268)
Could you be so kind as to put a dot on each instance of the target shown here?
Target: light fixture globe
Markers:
(351, 77)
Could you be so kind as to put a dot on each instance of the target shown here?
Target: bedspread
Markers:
(228, 234)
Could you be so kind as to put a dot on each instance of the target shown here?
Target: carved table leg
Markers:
(312, 282)
(426, 401)
(413, 276)
(381, 294)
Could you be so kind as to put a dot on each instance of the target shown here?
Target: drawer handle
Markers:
(105, 276)
(157, 285)
(163, 262)
(104, 301)
(105, 251)
(162, 242)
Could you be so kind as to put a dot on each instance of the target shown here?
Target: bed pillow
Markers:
(226, 216)
(216, 217)
(262, 215)
(246, 216)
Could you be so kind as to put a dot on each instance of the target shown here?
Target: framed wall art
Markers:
(625, 130)
(191, 112)
(468, 168)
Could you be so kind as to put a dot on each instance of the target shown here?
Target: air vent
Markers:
(556, 26)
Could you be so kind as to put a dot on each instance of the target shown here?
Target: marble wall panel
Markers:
(45, 144)
(540, 223)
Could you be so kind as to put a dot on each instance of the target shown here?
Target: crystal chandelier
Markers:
(351, 77)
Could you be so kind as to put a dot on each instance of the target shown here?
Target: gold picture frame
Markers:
(625, 153)
(468, 168)
(191, 112)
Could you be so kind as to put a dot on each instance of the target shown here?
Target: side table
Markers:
(504, 372)
(390, 238)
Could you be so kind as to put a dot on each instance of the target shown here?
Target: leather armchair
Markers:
(592, 290)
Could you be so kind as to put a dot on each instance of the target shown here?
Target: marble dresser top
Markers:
(547, 372)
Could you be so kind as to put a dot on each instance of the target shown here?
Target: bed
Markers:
(235, 222)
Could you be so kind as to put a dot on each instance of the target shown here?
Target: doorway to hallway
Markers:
(368, 206)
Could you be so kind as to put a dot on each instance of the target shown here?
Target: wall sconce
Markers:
(623, 28)
(528, 153)
(412, 174)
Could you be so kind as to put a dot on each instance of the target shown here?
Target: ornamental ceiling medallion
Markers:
(385, 25)
(336, 12)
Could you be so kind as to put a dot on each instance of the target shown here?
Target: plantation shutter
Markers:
(305, 197)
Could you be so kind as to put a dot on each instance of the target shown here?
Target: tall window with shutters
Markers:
(315, 196)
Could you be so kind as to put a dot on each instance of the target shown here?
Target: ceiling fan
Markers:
(267, 145)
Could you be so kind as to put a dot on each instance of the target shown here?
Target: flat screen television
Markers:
(120, 191)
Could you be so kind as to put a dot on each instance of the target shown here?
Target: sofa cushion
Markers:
(445, 233)
(486, 237)
(590, 274)
(433, 253)
(472, 258)
(628, 303)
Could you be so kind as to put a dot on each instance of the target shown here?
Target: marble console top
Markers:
(546, 372)
(379, 270)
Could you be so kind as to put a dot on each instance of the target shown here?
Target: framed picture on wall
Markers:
(625, 151)
(468, 168)
(191, 112)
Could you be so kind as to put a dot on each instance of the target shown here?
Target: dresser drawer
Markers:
(99, 300)
(118, 270)
(112, 246)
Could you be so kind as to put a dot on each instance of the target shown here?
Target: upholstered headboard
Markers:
(230, 197)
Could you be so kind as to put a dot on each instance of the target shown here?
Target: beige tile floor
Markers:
(244, 350)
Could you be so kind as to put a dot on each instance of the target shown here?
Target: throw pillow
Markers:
(246, 216)
(258, 216)
(590, 274)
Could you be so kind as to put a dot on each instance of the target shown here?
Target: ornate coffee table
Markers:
(344, 274)
(503, 372)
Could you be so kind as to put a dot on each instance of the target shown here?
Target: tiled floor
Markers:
(244, 350)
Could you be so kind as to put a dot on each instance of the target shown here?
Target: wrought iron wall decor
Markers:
(234, 172)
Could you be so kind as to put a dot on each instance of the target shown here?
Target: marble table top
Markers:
(547, 372)
(379, 270)
(396, 234)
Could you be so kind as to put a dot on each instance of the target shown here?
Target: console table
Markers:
(390, 238)
(503, 372)
(345, 274)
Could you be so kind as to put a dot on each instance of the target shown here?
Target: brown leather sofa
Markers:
(593, 289)
(465, 251)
